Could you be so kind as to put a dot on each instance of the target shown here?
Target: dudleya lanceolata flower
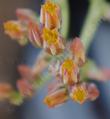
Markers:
(57, 94)
(50, 15)
(67, 62)
(52, 41)
(84, 91)
(16, 31)
(69, 72)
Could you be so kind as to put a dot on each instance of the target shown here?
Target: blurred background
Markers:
(11, 54)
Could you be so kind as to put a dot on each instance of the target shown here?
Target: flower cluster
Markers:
(68, 74)
(67, 61)
(46, 35)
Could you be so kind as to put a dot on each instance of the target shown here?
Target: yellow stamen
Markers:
(79, 94)
(50, 36)
(68, 65)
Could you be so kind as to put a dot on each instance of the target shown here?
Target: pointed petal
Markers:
(42, 16)
(34, 35)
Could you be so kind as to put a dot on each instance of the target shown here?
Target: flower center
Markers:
(79, 94)
(50, 36)
(68, 65)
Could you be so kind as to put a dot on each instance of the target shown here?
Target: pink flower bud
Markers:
(25, 71)
(93, 92)
(25, 88)
(78, 51)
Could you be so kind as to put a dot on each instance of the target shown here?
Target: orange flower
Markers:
(5, 91)
(83, 92)
(16, 31)
(25, 88)
(79, 93)
(52, 42)
(69, 72)
(50, 15)
(26, 16)
(34, 35)
(13, 29)
(57, 95)
(78, 51)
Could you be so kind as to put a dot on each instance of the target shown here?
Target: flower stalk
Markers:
(97, 10)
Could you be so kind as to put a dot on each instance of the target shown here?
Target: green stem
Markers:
(65, 17)
(92, 22)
